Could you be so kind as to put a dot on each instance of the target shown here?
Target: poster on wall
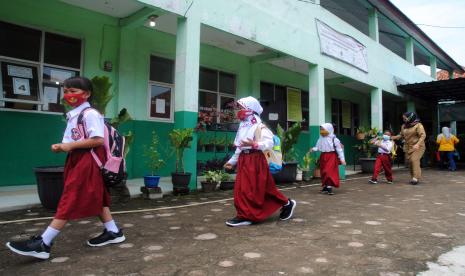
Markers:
(21, 87)
(294, 105)
(160, 106)
(346, 118)
(19, 71)
(342, 46)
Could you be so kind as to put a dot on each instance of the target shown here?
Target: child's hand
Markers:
(56, 148)
(343, 162)
(228, 166)
(247, 143)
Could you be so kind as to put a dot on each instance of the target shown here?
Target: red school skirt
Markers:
(84, 193)
(255, 194)
(329, 166)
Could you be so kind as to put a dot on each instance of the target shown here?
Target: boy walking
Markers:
(383, 160)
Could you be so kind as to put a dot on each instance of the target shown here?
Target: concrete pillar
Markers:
(254, 82)
(373, 28)
(316, 101)
(453, 127)
(376, 95)
(411, 106)
(187, 86)
(433, 66)
(409, 50)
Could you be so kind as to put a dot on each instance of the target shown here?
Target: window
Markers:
(273, 98)
(161, 89)
(32, 73)
(345, 117)
(217, 91)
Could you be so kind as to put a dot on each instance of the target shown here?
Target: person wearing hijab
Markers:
(332, 154)
(413, 133)
(447, 142)
(255, 194)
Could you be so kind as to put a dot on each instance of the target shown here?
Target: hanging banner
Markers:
(342, 46)
(294, 105)
(346, 118)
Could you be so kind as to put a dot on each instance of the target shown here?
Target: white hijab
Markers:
(249, 125)
(329, 127)
(446, 132)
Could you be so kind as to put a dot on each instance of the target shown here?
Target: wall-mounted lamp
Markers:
(152, 20)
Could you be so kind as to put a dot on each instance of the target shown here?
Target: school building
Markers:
(171, 61)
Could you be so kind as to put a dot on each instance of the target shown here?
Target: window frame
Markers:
(149, 94)
(338, 114)
(218, 93)
(40, 71)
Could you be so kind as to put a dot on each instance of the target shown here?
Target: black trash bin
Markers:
(49, 185)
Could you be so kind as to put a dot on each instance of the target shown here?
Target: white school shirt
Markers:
(385, 145)
(92, 119)
(266, 143)
(325, 144)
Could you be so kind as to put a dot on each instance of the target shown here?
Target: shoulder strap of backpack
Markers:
(82, 129)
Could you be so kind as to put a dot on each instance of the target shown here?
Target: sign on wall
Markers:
(294, 105)
(342, 46)
(346, 112)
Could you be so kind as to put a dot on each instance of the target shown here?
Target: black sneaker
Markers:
(373, 181)
(34, 247)
(324, 190)
(288, 210)
(107, 237)
(330, 191)
(238, 222)
(414, 182)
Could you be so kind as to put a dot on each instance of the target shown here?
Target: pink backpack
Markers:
(114, 169)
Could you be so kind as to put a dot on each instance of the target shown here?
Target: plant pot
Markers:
(208, 186)
(50, 184)
(306, 176)
(180, 182)
(367, 164)
(317, 173)
(298, 176)
(209, 147)
(360, 136)
(287, 174)
(226, 185)
(151, 181)
(219, 148)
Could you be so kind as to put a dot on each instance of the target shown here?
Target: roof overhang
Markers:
(399, 18)
(436, 91)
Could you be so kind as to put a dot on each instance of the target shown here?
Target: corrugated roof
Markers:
(437, 91)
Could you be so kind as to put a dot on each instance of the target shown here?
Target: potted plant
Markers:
(212, 179)
(367, 151)
(288, 140)
(50, 181)
(227, 183)
(361, 133)
(307, 161)
(180, 140)
(220, 144)
(154, 162)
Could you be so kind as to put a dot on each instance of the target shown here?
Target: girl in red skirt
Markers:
(84, 192)
(332, 154)
(255, 194)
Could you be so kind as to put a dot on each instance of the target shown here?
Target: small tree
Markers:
(180, 140)
(153, 156)
(288, 140)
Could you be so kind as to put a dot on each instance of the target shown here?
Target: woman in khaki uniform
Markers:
(414, 135)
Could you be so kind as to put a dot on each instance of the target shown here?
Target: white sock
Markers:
(288, 202)
(414, 179)
(49, 234)
(111, 226)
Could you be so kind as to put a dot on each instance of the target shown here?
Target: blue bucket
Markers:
(151, 181)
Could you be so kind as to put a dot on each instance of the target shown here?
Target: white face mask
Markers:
(386, 137)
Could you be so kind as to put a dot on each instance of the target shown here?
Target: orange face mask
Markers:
(324, 132)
